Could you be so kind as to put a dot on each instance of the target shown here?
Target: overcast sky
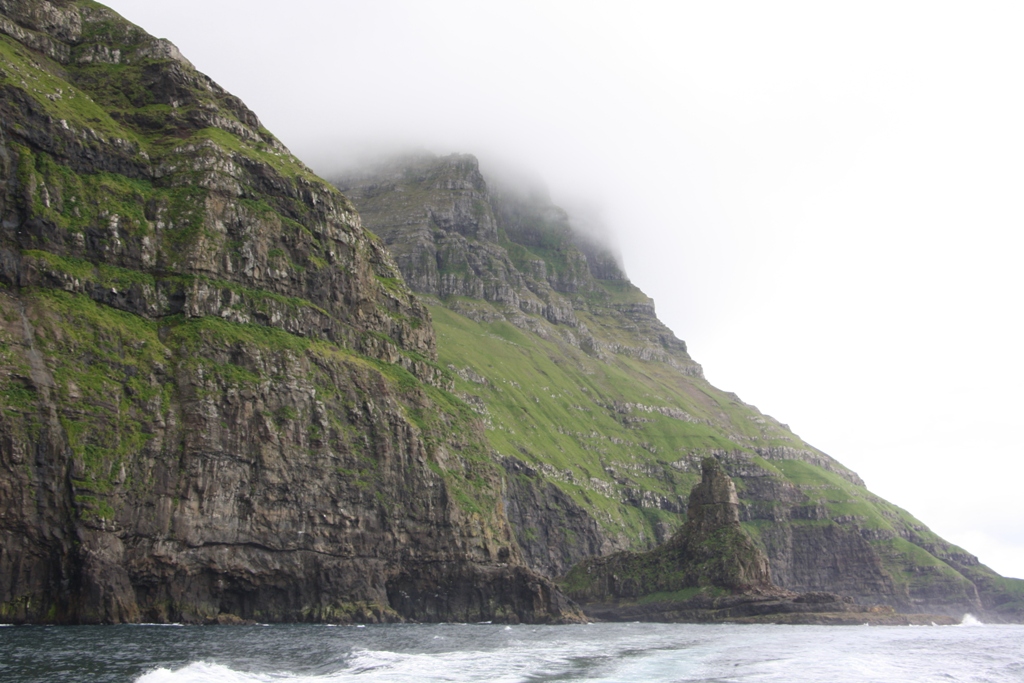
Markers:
(823, 198)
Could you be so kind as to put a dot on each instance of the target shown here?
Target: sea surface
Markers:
(485, 652)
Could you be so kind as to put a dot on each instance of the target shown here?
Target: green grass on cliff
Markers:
(621, 292)
(553, 407)
(115, 102)
(560, 410)
(916, 571)
(88, 272)
(77, 201)
(837, 495)
(108, 276)
(113, 371)
(40, 78)
(284, 163)
(138, 208)
(102, 360)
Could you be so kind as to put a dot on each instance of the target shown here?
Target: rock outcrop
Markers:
(710, 551)
(602, 418)
(218, 398)
(711, 571)
(764, 607)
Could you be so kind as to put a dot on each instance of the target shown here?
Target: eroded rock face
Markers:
(218, 399)
(711, 571)
(713, 502)
(710, 551)
(717, 549)
(553, 531)
(454, 235)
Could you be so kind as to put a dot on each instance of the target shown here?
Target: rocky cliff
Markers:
(601, 418)
(218, 398)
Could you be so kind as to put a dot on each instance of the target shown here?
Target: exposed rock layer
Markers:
(218, 399)
(824, 609)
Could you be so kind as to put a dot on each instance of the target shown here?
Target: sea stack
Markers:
(711, 571)
(710, 553)
(715, 549)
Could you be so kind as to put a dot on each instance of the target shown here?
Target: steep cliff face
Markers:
(602, 418)
(218, 399)
(440, 221)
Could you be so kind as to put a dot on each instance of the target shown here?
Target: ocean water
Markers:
(498, 653)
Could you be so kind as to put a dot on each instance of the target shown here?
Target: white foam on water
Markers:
(505, 665)
(202, 672)
(970, 620)
(627, 653)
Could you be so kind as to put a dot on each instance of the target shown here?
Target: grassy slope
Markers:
(550, 404)
(542, 407)
(622, 436)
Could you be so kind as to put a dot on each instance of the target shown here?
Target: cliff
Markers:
(220, 401)
(601, 417)
(218, 398)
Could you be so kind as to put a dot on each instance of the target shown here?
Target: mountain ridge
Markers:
(622, 452)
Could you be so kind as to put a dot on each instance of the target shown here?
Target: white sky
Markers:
(823, 198)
